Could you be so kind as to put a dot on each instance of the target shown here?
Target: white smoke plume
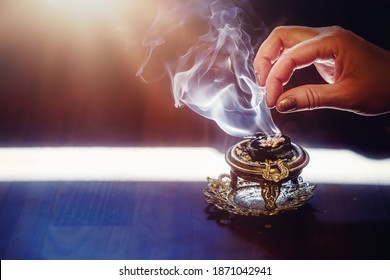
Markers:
(215, 76)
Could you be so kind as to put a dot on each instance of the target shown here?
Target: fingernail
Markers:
(287, 104)
(257, 78)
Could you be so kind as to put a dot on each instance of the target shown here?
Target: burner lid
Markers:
(241, 161)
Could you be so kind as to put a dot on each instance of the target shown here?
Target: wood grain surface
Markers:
(128, 220)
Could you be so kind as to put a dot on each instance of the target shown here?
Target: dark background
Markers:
(74, 99)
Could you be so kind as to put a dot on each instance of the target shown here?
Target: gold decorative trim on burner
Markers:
(275, 176)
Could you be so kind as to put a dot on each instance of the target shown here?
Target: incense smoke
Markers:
(215, 76)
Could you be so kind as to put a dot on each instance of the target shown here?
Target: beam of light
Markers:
(345, 167)
(109, 164)
(170, 164)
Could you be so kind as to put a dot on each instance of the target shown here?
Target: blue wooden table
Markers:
(171, 220)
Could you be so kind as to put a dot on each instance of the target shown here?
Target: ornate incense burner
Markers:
(264, 177)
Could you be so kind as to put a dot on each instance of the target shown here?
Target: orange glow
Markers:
(85, 33)
(83, 29)
(68, 70)
(92, 13)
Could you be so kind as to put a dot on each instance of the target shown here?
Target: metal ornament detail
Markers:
(270, 193)
(277, 176)
(254, 199)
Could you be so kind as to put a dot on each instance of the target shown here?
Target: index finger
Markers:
(281, 38)
(298, 56)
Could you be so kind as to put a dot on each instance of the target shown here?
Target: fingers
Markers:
(299, 56)
(341, 58)
(280, 39)
(288, 49)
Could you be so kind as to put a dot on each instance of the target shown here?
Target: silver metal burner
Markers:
(261, 187)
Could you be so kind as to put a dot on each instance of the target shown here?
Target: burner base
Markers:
(252, 198)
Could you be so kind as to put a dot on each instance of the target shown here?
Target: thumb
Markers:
(307, 97)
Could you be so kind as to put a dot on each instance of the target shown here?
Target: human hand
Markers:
(357, 72)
